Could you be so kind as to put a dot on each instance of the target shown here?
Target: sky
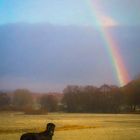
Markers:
(67, 12)
(48, 44)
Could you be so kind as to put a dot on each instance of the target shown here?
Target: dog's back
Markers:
(35, 136)
(28, 136)
(46, 135)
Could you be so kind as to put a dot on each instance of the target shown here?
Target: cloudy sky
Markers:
(48, 44)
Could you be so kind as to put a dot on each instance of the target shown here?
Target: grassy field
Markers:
(72, 126)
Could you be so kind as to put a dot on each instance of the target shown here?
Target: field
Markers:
(72, 126)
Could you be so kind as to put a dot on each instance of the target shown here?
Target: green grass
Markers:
(72, 126)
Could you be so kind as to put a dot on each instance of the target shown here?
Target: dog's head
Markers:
(50, 128)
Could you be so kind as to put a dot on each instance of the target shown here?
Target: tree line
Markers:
(82, 99)
(24, 100)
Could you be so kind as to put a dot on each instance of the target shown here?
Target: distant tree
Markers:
(90, 99)
(49, 103)
(22, 99)
(72, 99)
(116, 100)
(132, 94)
(80, 98)
(110, 99)
(5, 100)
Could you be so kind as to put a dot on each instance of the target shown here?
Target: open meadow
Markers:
(72, 126)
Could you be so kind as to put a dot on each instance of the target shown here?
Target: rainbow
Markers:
(112, 47)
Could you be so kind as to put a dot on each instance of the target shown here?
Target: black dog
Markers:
(46, 135)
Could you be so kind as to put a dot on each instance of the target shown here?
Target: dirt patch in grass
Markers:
(74, 127)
